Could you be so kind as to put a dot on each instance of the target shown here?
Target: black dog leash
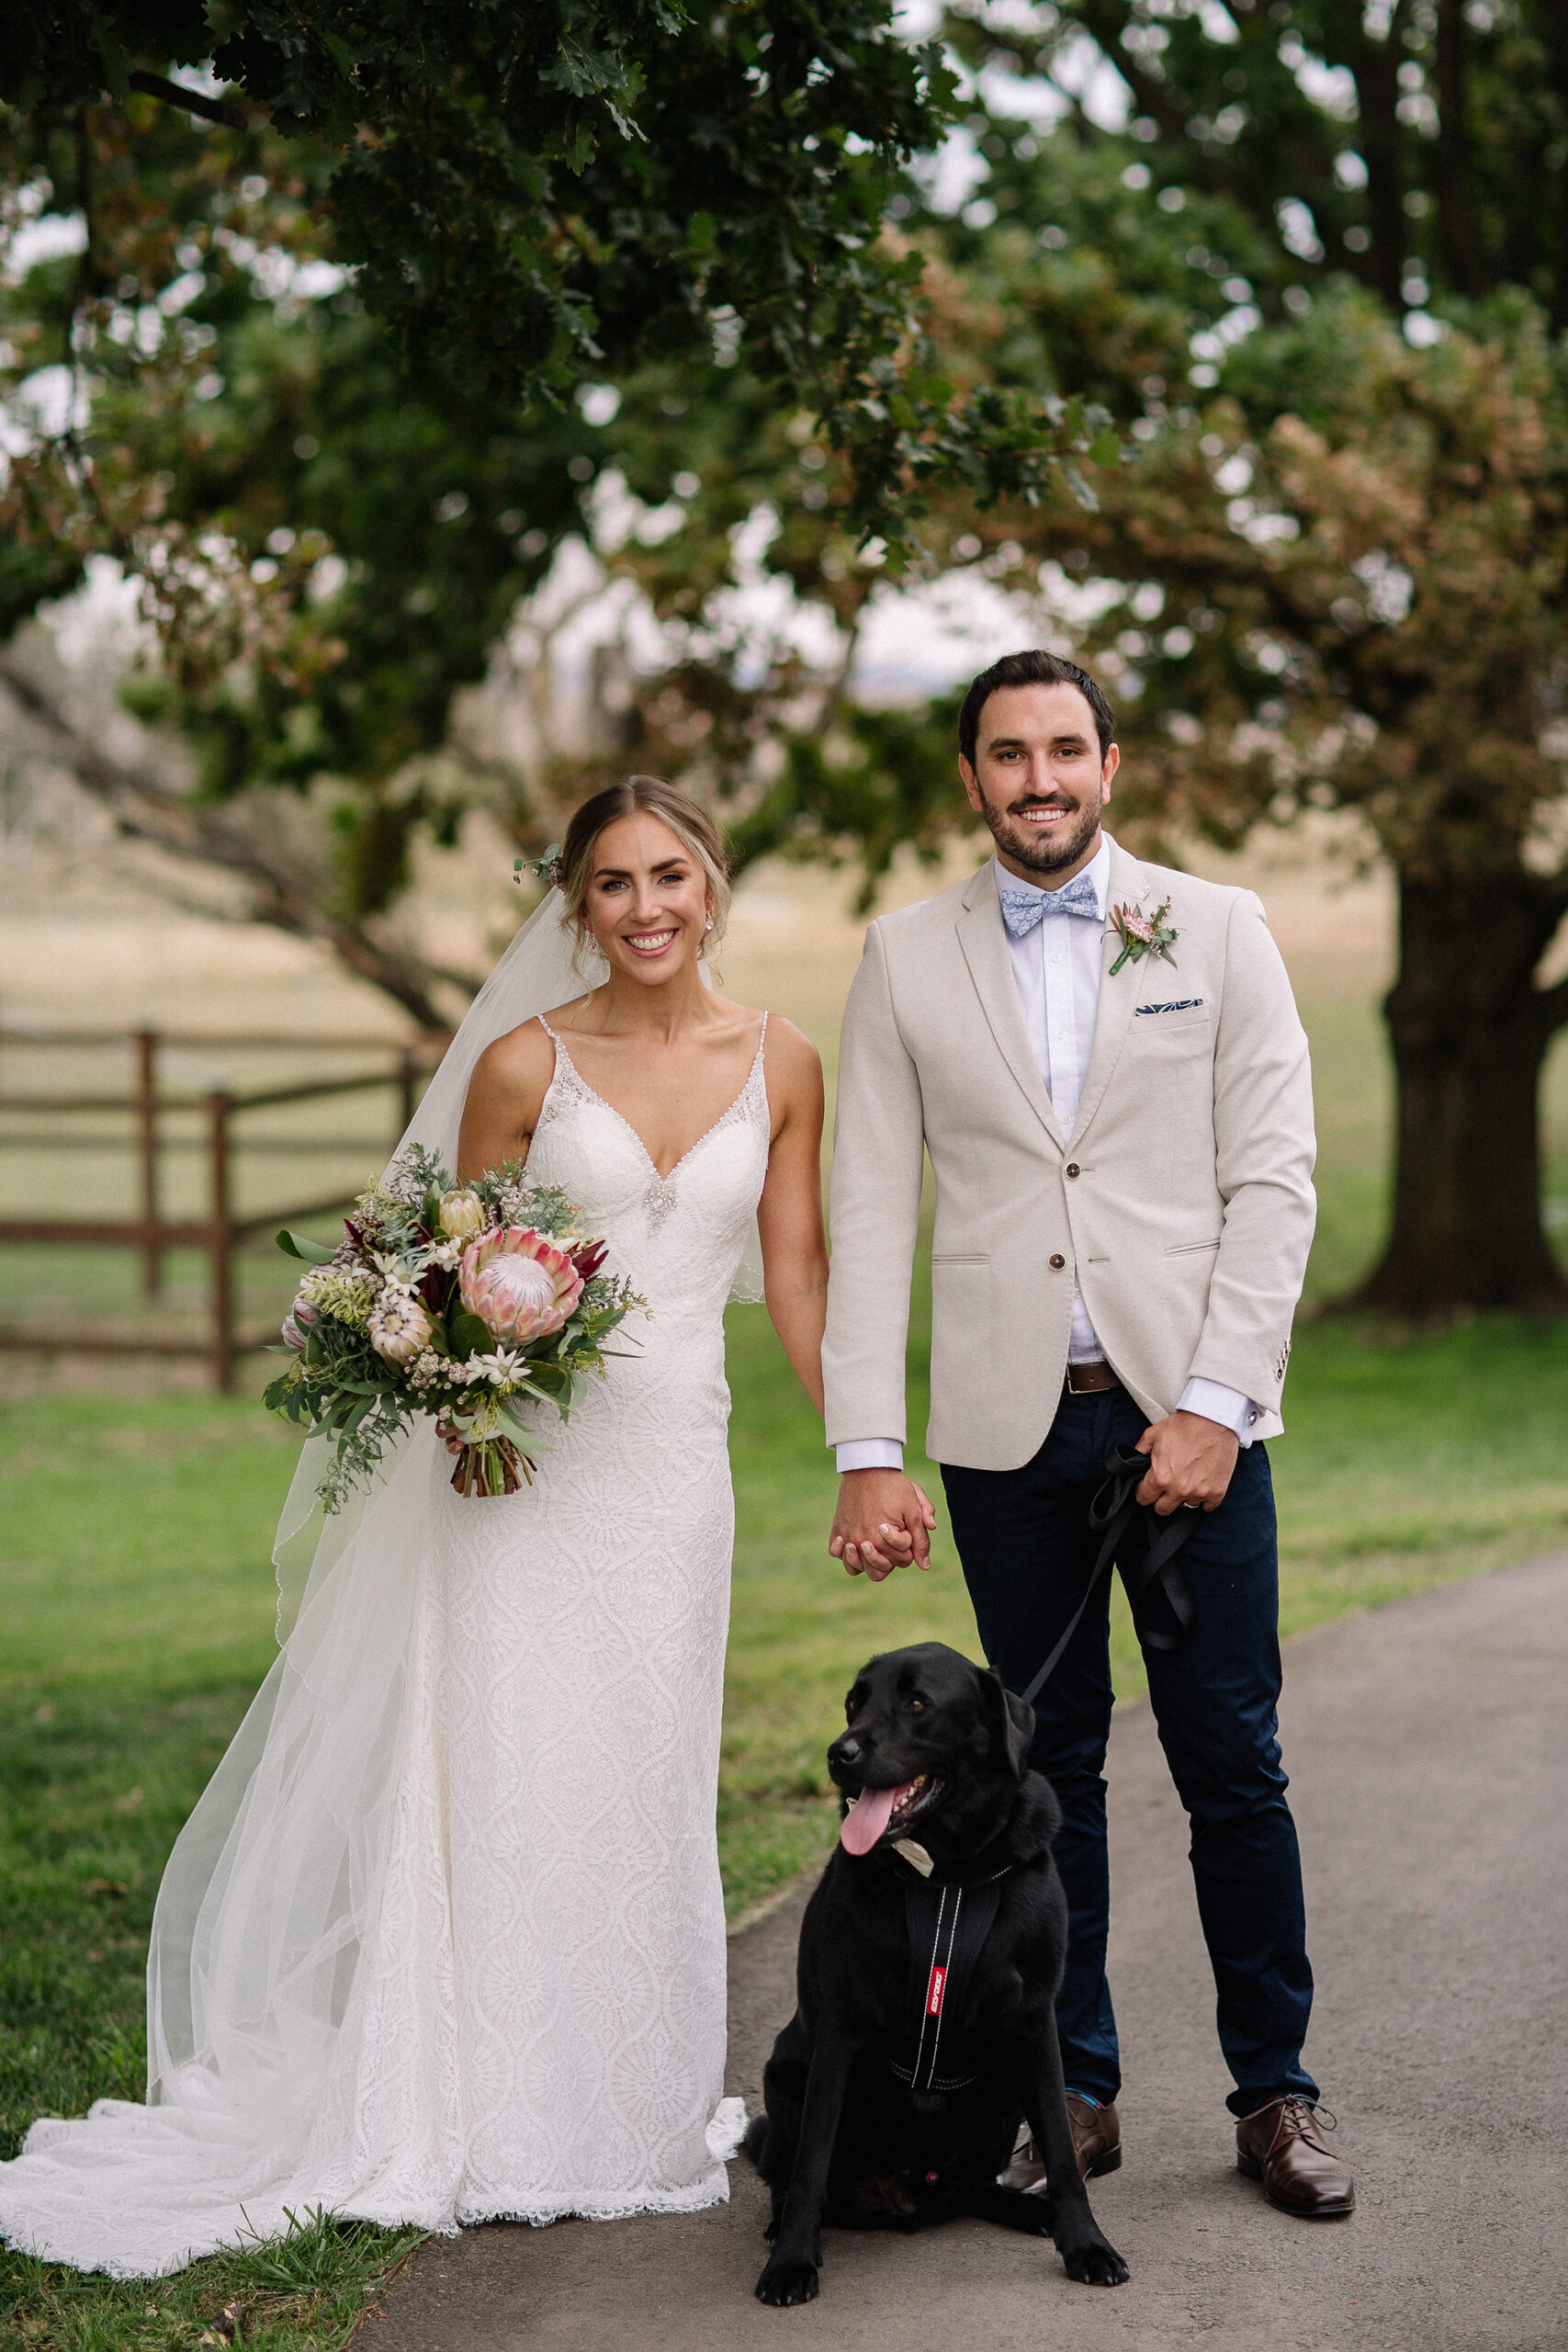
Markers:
(1113, 1509)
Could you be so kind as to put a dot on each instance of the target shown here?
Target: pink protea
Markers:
(518, 1282)
(297, 1324)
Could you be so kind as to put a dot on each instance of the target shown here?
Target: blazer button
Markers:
(1057, 1260)
(1072, 1166)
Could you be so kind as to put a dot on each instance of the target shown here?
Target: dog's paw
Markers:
(785, 2282)
(1096, 2263)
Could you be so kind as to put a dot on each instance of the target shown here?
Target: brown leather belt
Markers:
(1089, 1379)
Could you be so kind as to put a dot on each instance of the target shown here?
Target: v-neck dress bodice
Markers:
(684, 1232)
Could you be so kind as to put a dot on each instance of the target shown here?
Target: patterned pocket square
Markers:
(1177, 1004)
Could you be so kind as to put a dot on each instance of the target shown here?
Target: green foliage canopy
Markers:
(531, 195)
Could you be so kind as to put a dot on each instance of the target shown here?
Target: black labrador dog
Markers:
(930, 1957)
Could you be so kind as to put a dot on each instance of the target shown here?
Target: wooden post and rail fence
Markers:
(221, 1232)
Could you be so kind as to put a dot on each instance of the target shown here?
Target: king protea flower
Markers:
(398, 1326)
(519, 1284)
(463, 1214)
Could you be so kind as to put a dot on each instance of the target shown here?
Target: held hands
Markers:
(883, 1522)
(1191, 1462)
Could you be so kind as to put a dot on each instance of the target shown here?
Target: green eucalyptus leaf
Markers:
(299, 1245)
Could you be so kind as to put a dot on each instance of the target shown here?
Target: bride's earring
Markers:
(708, 925)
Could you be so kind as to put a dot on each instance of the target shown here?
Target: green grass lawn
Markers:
(136, 1618)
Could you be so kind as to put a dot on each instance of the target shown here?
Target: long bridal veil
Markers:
(255, 2001)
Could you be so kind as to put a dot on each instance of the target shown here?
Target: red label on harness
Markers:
(934, 1992)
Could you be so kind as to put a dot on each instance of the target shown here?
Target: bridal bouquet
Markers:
(470, 1303)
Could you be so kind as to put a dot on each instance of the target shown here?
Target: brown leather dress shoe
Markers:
(1282, 2145)
(1096, 2143)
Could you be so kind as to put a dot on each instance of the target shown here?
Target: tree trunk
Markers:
(1376, 69)
(1456, 216)
(1469, 1031)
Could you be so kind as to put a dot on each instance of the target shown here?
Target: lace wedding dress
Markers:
(445, 1941)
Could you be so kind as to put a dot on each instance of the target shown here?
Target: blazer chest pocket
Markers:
(960, 1258)
(1164, 1015)
(1158, 1033)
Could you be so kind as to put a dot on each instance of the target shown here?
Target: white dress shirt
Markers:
(1057, 968)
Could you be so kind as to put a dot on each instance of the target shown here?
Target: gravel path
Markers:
(1429, 1745)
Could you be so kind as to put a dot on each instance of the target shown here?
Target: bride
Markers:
(443, 1939)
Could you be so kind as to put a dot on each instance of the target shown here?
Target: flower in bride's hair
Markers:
(400, 1328)
(547, 868)
(519, 1284)
(463, 1214)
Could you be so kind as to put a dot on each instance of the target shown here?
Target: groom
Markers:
(1123, 1145)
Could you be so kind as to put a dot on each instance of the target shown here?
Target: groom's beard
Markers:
(1042, 853)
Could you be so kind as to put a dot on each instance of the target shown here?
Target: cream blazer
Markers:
(1184, 1203)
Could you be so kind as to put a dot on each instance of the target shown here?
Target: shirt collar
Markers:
(1098, 871)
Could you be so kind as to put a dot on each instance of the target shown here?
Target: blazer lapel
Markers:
(1117, 999)
(983, 937)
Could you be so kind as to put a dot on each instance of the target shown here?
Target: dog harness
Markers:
(948, 1926)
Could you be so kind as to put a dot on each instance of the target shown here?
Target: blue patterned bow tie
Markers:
(1021, 909)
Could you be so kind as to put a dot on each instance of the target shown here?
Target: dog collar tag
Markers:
(914, 1854)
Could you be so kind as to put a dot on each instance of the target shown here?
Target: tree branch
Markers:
(175, 94)
(285, 893)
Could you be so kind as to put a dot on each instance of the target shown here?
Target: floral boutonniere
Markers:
(1142, 935)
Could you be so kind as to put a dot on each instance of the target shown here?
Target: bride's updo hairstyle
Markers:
(642, 796)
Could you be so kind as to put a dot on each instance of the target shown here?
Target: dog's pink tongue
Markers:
(867, 1818)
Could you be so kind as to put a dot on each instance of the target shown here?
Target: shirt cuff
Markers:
(869, 1454)
(1227, 1405)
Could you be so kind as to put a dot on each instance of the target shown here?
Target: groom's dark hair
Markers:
(1032, 669)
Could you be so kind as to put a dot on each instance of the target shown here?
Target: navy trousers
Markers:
(1027, 1549)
